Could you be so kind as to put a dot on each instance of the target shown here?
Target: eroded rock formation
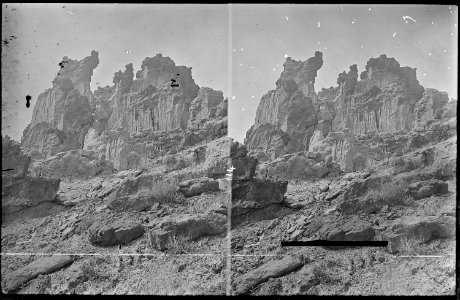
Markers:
(160, 110)
(363, 121)
(62, 114)
(286, 116)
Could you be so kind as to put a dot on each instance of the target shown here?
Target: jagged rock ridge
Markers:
(127, 123)
(342, 121)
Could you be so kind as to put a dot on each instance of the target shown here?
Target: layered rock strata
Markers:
(363, 121)
(143, 115)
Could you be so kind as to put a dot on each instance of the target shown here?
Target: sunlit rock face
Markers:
(143, 115)
(382, 101)
(285, 116)
(62, 114)
(358, 123)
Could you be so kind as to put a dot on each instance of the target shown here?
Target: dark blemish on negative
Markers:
(7, 170)
(28, 98)
(61, 64)
(173, 84)
(5, 42)
(13, 37)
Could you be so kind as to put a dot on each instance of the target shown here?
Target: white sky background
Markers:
(191, 35)
(197, 36)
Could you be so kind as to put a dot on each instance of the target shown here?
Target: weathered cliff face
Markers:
(14, 163)
(136, 119)
(159, 99)
(382, 101)
(303, 73)
(208, 104)
(359, 123)
(19, 190)
(430, 106)
(62, 114)
(286, 116)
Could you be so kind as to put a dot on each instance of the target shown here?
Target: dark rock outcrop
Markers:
(248, 193)
(421, 229)
(115, 230)
(41, 266)
(424, 189)
(188, 226)
(272, 269)
(197, 186)
(19, 190)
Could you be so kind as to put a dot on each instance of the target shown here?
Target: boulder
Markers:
(352, 229)
(20, 193)
(402, 165)
(194, 187)
(423, 229)
(366, 205)
(424, 189)
(272, 269)
(192, 226)
(137, 203)
(253, 194)
(40, 266)
(244, 168)
(114, 231)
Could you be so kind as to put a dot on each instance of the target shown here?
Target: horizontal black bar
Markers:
(7, 170)
(320, 243)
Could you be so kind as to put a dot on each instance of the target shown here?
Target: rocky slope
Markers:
(375, 159)
(135, 188)
(139, 165)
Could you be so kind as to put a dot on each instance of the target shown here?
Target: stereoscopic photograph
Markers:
(229, 149)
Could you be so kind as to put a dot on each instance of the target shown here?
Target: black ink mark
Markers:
(173, 84)
(28, 98)
(324, 243)
(5, 42)
(7, 170)
(61, 64)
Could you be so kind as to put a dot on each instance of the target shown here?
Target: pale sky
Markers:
(191, 35)
(347, 34)
(197, 36)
